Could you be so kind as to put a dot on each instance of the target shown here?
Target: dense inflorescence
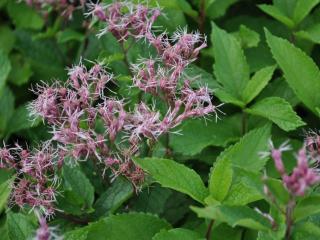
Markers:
(89, 123)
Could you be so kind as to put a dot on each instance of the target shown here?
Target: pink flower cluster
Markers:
(35, 186)
(124, 19)
(65, 7)
(302, 176)
(44, 232)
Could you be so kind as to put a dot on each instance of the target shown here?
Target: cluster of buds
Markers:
(302, 176)
(124, 19)
(65, 7)
(36, 182)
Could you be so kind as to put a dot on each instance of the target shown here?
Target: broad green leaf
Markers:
(274, 12)
(7, 39)
(20, 120)
(197, 134)
(21, 70)
(235, 216)
(130, 226)
(305, 81)
(5, 191)
(20, 226)
(247, 37)
(111, 200)
(259, 80)
(244, 154)
(302, 9)
(230, 68)
(307, 207)
(152, 200)
(311, 33)
(6, 108)
(175, 176)
(5, 68)
(218, 8)
(177, 234)
(24, 16)
(226, 97)
(277, 189)
(306, 231)
(278, 111)
(78, 186)
(220, 179)
(77, 234)
(69, 35)
(246, 188)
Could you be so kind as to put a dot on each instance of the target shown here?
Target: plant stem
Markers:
(202, 15)
(208, 233)
(289, 221)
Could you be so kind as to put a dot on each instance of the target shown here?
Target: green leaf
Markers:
(113, 198)
(77, 234)
(231, 68)
(278, 111)
(6, 108)
(306, 231)
(302, 9)
(247, 37)
(175, 176)
(202, 76)
(306, 207)
(78, 186)
(208, 133)
(244, 154)
(305, 81)
(311, 33)
(21, 70)
(259, 80)
(226, 97)
(274, 12)
(218, 8)
(5, 191)
(277, 189)
(20, 120)
(220, 179)
(235, 216)
(130, 226)
(5, 68)
(24, 16)
(246, 188)
(69, 35)
(7, 39)
(177, 234)
(20, 226)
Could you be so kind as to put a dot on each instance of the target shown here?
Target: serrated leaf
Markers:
(230, 68)
(302, 9)
(177, 234)
(220, 179)
(198, 134)
(305, 81)
(306, 207)
(306, 231)
(244, 154)
(226, 97)
(5, 191)
(276, 13)
(278, 111)
(259, 80)
(247, 37)
(175, 176)
(130, 226)
(20, 226)
(112, 199)
(311, 33)
(5, 68)
(235, 216)
(78, 186)
(24, 16)
(218, 8)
